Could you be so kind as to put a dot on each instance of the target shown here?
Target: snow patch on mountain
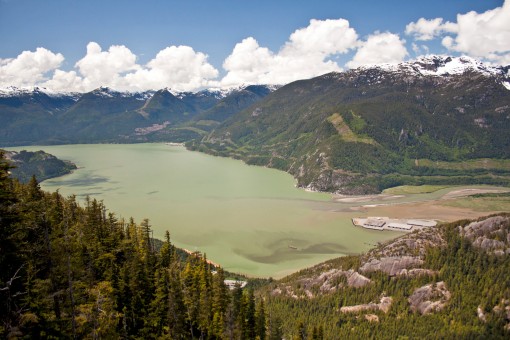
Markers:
(107, 92)
(172, 92)
(442, 65)
(435, 65)
(273, 88)
(221, 93)
(13, 91)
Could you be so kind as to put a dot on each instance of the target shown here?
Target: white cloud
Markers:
(100, 68)
(65, 82)
(324, 37)
(483, 35)
(178, 67)
(305, 55)
(248, 63)
(379, 48)
(425, 29)
(29, 67)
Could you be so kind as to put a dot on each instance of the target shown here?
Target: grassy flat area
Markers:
(472, 164)
(413, 189)
(481, 203)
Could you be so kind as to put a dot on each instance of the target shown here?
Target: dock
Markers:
(395, 224)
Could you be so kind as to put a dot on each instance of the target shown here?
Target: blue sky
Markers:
(204, 43)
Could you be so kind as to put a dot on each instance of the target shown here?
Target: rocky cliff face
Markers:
(492, 234)
(403, 256)
(327, 282)
(429, 298)
(392, 266)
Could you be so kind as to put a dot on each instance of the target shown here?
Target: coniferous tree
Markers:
(235, 315)
(260, 320)
(178, 327)
(219, 304)
(249, 321)
(301, 333)
(159, 305)
(275, 328)
(11, 262)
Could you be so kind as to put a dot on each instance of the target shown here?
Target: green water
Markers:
(249, 219)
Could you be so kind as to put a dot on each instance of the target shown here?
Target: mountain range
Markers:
(433, 120)
(41, 116)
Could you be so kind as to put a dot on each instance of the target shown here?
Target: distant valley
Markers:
(435, 120)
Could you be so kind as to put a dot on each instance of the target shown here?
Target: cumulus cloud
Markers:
(100, 67)
(481, 35)
(29, 67)
(379, 48)
(321, 37)
(306, 54)
(179, 67)
(248, 63)
(485, 35)
(65, 81)
(425, 29)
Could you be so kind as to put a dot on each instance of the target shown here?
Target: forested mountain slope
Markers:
(26, 116)
(236, 102)
(363, 130)
(40, 164)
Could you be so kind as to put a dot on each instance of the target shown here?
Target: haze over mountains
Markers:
(358, 131)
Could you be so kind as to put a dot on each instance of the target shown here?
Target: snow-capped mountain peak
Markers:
(107, 92)
(439, 65)
(443, 65)
(221, 93)
(13, 91)
(434, 66)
